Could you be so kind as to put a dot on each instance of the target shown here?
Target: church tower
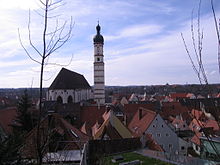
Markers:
(99, 69)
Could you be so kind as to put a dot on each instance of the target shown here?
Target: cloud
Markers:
(136, 31)
(142, 42)
(22, 4)
(162, 59)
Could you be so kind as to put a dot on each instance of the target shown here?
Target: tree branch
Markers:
(19, 36)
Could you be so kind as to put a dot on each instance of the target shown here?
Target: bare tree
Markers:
(198, 65)
(217, 28)
(52, 40)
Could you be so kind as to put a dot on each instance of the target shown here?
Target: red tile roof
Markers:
(72, 138)
(7, 117)
(199, 115)
(131, 109)
(213, 124)
(195, 139)
(178, 95)
(139, 125)
(90, 115)
(196, 125)
(180, 124)
(174, 109)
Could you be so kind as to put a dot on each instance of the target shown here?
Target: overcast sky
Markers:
(143, 45)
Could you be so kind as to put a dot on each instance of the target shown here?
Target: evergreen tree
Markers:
(9, 151)
(24, 120)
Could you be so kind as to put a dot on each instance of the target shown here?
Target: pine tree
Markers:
(24, 120)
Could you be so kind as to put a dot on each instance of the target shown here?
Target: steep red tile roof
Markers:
(139, 125)
(131, 109)
(7, 117)
(72, 138)
(90, 115)
(175, 109)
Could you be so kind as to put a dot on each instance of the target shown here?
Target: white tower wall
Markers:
(99, 68)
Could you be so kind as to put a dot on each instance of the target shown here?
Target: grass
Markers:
(133, 156)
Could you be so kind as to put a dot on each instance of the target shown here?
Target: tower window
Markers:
(98, 59)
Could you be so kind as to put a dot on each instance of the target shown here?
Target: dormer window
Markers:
(73, 133)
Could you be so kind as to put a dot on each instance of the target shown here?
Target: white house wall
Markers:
(166, 137)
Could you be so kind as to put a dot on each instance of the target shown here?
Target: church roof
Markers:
(67, 79)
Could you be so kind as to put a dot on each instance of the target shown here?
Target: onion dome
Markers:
(98, 38)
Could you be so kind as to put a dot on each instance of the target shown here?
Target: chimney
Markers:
(140, 113)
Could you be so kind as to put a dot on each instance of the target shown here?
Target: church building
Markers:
(72, 87)
(69, 87)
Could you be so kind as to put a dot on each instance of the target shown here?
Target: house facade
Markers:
(166, 137)
(148, 122)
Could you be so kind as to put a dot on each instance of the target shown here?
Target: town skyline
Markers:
(143, 45)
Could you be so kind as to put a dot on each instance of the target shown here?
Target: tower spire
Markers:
(98, 38)
(99, 80)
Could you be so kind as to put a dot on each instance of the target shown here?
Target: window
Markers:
(154, 126)
(162, 125)
(98, 59)
(158, 135)
(170, 146)
(167, 134)
(182, 147)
